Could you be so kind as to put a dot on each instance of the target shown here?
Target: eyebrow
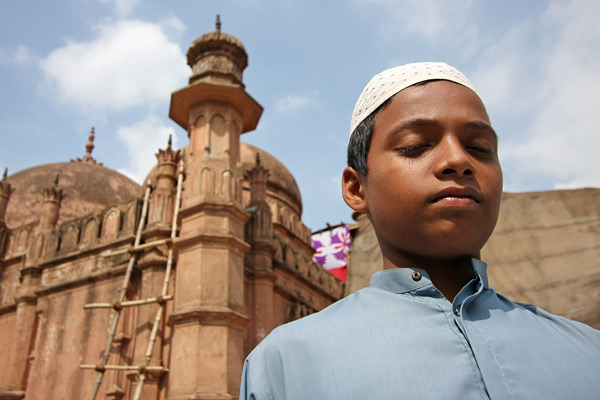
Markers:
(424, 122)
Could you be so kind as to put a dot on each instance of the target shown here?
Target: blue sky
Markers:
(68, 65)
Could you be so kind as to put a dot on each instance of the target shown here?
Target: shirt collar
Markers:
(403, 280)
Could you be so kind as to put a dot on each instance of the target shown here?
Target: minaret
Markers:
(51, 206)
(5, 191)
(259, 260)
(208, 319)
(163, 195)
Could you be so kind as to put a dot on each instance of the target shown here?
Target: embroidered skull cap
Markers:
(389, 82)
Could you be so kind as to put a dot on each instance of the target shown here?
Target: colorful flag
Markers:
(331, 247)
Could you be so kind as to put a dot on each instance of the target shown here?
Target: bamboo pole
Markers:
(101, 367)
(117, 315)
(150, 300)
(165, 288)
(133, 249)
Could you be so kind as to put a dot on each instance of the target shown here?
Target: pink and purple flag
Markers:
(331, 248)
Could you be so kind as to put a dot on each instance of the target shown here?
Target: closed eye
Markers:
(412, 150)
(481, 150)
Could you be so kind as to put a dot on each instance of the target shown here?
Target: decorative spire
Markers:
(89, 146)
(218, 23)
(88, 150)
(5, 192)
(56, 181)
(168, 155)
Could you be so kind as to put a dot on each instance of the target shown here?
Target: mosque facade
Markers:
(112, 290)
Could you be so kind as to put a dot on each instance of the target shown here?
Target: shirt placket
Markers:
(490, 369)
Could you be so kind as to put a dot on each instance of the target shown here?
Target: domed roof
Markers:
(87, 188)
(280, 178)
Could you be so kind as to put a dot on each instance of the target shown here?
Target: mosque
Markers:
(109, 289)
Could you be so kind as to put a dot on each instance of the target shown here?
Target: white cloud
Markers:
(562, 140)
(19, 56)
(122, 7)
(142, 140)
(508, 68)
(291, 103)
(129, 63)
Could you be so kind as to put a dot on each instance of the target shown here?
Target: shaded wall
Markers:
(545, 251)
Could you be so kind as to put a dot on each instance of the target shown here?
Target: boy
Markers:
(423, 165)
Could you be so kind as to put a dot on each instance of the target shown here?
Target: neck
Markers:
(448, 276)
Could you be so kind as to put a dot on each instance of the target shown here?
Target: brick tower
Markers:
(208, 319)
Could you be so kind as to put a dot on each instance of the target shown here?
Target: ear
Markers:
(353, 190)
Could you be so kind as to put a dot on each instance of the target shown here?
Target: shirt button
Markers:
(416, 275)
(457, 312)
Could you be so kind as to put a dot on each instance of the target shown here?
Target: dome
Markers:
(87, 188)
(281, 181)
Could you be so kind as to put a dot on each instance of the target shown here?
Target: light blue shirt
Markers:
(401, 339)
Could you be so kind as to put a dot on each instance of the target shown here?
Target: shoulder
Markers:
(574, 329)
(314, 327)
(283, 362)
(576, 332)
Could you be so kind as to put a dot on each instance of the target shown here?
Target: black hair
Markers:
(360, 140)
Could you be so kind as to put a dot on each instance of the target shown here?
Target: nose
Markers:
(454, 160)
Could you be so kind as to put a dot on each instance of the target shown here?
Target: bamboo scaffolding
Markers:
(123, 292)
(117, 305)
(101, 367)
(160, 312)
(134, 249)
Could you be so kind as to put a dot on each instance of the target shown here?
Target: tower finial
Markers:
(5, 174)
(87, 158)
(56, 181)
(170, 141)
(90, 144)
(218, 23)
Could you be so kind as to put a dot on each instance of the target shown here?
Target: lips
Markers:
(464, 194)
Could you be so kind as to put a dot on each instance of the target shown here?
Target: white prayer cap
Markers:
(389, 82)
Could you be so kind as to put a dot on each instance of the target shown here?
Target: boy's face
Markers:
(434, 181)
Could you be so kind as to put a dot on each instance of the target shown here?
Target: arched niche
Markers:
(290, 258)
(70, 237)
(207, 180)
(111, 223)
(219, 142)
(226, 183)
(130, 216)
(90, 231)
(236, 131)
(278, 249)
(199, 138)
